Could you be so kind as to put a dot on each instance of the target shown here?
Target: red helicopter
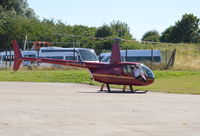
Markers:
(115, 72)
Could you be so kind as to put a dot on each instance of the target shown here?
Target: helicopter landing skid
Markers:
(131, 88)
(107, 85)
(124, 88)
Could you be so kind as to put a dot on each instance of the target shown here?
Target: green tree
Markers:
(186, 30)
(121, 30)
(19, 7)
(30, 13)
(114, 30)
(152, 36)
(168, 35)
(2, 19)
(104, 31)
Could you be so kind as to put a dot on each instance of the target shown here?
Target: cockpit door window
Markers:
(127, 69)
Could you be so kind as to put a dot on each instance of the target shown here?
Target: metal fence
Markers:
(168, 58)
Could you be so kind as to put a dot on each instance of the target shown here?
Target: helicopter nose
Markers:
(150, 80)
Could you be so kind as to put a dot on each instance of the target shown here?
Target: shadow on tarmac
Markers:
(119, 92)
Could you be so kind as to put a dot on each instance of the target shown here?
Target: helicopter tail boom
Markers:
(19, 58)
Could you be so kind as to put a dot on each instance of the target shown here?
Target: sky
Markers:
(140, 15)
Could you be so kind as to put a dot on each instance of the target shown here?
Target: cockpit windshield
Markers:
(88, 55)
(147, 71)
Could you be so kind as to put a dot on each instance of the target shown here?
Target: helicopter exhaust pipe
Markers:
(18, 56)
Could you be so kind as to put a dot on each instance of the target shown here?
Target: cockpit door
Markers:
(139, 73)
(136, 71)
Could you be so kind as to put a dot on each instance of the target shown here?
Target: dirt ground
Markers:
(63, 109)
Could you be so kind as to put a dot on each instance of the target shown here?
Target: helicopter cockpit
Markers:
(139, 70)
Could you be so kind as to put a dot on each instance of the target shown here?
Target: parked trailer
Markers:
(78, 54)
(135, 56)
(141, 55)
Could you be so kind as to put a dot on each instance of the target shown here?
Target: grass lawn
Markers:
(176, 82)
(166, 81)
